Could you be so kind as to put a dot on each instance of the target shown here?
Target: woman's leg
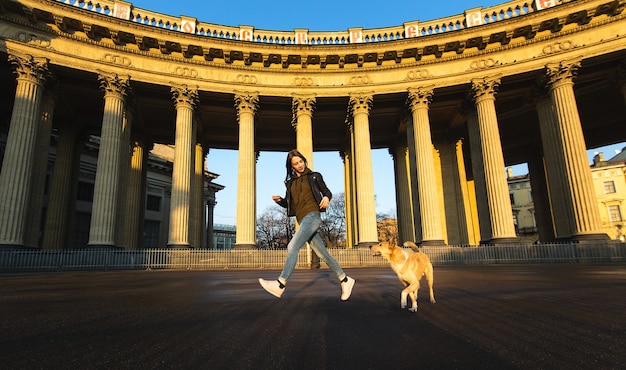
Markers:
(317, 244)
(308, 226)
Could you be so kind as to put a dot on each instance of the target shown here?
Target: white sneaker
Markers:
(272, 287)
(346, 288)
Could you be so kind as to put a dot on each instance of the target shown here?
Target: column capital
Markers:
(113, 84)
(485, 88)
(246, 102)
(302, 105)
(30, 68)
(361, 103)
(563, 72)
(420, 97)
(184, 95)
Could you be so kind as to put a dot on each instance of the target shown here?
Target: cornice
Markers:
(90, 27)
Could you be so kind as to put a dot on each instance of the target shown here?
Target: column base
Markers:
(179, 246)
(365, 244)
(18, 247)
(507, 240)
(244, 246)
(103, 246)
(432, 243)
(588, 237)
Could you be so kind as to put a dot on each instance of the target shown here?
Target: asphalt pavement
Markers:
(486, 317)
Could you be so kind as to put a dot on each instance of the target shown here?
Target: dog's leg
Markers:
(411, 292)
(430, 278)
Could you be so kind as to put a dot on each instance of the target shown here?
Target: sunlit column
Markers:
(246, 105)
(136, 194)
(40, 169)
(360, 106)
(454, 190)
(482, 205)
(303, 112)
(496, 186)
(102, 230)
(432, 232)
(62, 183)
(348, 195)
(403, 193)
(566, 158)
(17, 167)
(415, 204)
(185, 100)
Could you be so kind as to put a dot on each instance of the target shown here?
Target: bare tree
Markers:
(274, 228)
(333, 227)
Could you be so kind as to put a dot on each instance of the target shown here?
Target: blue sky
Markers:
(321, 15)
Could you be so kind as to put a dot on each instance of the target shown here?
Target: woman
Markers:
(307, 196)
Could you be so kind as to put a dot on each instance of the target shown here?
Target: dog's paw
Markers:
(403, 306)
(433, 301)
(413, 309)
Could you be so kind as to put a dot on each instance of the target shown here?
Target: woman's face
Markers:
(298, 165)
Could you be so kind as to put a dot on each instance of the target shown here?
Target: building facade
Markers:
(455, 100)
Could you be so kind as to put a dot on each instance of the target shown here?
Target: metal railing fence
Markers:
(22, 260)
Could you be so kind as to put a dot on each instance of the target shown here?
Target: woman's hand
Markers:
(324, 203)
(276, 198)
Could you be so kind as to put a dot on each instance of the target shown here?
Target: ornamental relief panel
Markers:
(557, 47)
(303, 81)
(417, 74)
(360, 80)
(29, 38)
(246, 79)
(484, 64)
(186, 72)
(116, 59)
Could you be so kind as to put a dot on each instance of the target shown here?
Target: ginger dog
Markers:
(410, 267)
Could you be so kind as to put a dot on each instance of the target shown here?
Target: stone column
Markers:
(348, 198)
(430, 212)
(455, 192)
(360, 106)
(478, 169)
(406, 231)
(40, 170)
(124, 199)
(136, 195)
(246, 105)
(17, 167)
(497, 189)
(541, 200)
(210, 204)
(415, 204)
(62, 181)
(102, 230)
(198, 206)
(302, 113)
(578, 218)
(185, 100)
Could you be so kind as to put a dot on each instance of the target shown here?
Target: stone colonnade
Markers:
(435, 201)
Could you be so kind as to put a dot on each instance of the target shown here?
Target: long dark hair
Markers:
(290, 171)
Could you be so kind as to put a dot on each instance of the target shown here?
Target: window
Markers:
(512, 196)
(609, 187)
(615, 214)
(153, 203)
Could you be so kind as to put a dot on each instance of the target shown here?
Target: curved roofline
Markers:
(472, 17)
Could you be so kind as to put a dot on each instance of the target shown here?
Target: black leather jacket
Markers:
(318, 186)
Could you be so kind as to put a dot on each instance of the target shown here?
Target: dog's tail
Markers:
(412, 246)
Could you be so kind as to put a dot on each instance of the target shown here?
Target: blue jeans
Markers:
(308, 232)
